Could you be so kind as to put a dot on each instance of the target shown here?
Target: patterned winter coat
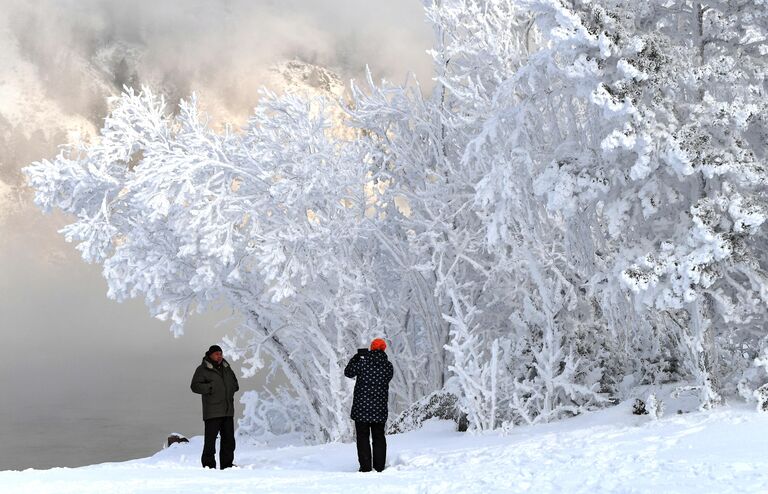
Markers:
(373, 372)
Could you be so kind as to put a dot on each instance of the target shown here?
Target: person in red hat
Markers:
(372, 371)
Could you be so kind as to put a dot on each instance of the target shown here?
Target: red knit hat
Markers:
(378, 344)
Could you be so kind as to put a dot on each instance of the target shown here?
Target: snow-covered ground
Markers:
(720, 451)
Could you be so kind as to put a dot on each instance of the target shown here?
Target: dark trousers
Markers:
(363, 430)
(225, 426)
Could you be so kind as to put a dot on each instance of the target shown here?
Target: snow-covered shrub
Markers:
(761, 395)
(440, 405)
(654, 406)
(268, 414)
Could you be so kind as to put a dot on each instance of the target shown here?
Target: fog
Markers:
(86, 379)
(218, 47)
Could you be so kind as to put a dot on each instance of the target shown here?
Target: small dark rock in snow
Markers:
(175, 438)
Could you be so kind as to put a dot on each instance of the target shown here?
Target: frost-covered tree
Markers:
(676, 202)
(488, 292)
(255, 221)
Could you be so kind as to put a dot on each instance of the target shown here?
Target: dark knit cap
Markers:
(214, 348)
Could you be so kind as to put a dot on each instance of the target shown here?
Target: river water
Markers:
(107, 413)
(84, 379)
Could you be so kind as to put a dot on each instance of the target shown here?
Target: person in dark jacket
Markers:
(216, 381)
(369, 406)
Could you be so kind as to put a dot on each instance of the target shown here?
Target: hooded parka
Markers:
(218, 385)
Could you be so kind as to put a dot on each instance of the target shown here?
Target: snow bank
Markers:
(608, 451)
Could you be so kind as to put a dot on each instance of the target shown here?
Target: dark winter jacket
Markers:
(373, 372)
(217, 384)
